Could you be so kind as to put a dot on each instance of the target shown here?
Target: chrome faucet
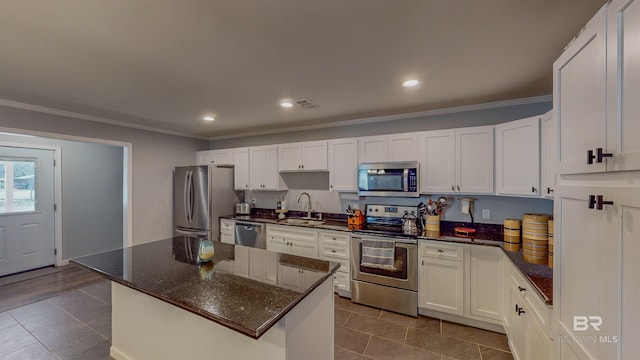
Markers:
(308, 203)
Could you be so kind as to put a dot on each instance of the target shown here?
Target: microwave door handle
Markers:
(405, 179)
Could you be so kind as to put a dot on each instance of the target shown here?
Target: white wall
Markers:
(154, 157)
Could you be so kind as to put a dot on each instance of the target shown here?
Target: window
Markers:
(17, 185)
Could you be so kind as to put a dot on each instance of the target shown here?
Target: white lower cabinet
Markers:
(292, 240)
(526, 318)
(336, 246)
(264, 266)
(296, 278)
(486, 283)
(441, 277)
(227, 231)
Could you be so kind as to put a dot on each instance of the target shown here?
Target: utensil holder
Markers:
(432, 227)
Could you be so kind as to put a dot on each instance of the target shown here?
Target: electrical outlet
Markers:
(486, 214)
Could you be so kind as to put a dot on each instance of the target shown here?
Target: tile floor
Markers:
(77, 325)
(73, 325)
(363, 332)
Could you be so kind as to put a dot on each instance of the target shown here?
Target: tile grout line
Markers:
(80, 321)
(102, 301)
(34, 336)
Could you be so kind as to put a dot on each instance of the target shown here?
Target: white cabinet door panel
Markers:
(437, 158)
(474, 159)
(343, 164)
(580, 98)
(518, 157)
(372, 149)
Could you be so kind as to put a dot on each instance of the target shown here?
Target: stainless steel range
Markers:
(384, 261)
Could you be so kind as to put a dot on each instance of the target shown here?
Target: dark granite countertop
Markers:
(540, 276)
(168, 270)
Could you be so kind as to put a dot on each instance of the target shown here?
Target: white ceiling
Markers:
(165, 63)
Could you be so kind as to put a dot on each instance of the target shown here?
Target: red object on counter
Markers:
(465, 232)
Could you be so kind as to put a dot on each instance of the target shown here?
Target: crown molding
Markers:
(74, 115)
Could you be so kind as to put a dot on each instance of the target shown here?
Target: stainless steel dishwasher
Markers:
(251, 234)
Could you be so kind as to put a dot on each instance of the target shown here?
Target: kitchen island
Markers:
(166, 306)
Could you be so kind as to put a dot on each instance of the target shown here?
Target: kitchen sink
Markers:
(301, 221)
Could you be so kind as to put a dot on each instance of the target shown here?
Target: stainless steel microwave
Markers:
(398, 179)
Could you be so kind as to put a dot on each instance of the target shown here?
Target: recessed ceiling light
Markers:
(411, 83)
(208, 118)
(286, 104)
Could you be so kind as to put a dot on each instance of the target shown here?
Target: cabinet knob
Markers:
(298, 166)
(533, 189)
(333, 251)
(440, 251)
(597, 202)
(453, 188)
(330, 186)
(302, 166)
(458, 186)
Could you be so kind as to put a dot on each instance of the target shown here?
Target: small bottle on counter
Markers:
(279, 205)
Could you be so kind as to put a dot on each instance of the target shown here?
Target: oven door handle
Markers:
(399, 241)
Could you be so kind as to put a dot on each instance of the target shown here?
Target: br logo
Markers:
(582, 323)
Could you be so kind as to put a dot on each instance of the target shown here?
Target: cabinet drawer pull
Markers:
(458, 186)
(521, 288)
(453, 188)
(533, 189)
(440, 251)
(599, 156)
(521, 311)
(549, 190)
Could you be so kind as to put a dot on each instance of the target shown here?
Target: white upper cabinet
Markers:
(310, 155)
(456, 161)
(215, 157)
(263, 169)
(474, 160)
(548, 151)
(402, 147)
(372, 149)
(241, 168)
(623, 85)
(518, 157)
(204, 157)
(579, 98)
(595, 90)
(394, 147)
(343, 164)
(437, 156)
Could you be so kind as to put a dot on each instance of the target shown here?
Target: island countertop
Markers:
(220, 291)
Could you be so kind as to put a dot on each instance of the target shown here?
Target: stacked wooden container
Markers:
(535, 238)
(511, 232)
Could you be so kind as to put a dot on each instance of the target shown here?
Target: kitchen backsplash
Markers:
(500, 207)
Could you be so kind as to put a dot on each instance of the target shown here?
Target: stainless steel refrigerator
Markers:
(201, 194)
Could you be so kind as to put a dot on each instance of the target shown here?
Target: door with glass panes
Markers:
(27, 227)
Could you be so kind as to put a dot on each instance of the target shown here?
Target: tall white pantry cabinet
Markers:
(597, 201)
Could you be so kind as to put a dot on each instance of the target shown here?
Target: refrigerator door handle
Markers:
(186, 197)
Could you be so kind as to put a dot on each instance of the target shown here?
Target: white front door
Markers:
(27, 236)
